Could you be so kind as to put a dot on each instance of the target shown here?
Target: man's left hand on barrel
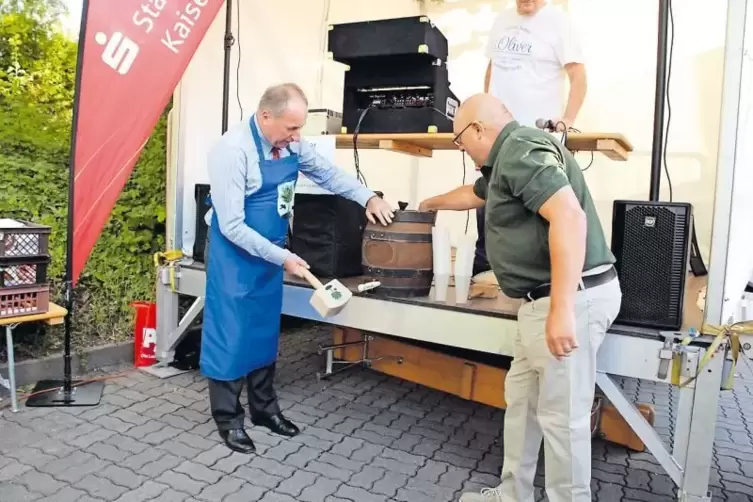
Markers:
(378, 209)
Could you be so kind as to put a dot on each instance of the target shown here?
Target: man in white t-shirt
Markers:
(532, 50)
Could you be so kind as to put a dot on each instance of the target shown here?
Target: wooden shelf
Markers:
(613, 145)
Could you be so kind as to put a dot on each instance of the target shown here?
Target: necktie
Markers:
(275, 153)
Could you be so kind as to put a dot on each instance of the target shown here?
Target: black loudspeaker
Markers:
(201, 194)
(386, 37)
(651, 242)
(328, 233)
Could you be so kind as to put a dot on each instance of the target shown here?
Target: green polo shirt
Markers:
(525, 167)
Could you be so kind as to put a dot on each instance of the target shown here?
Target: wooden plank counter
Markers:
(504, 306)
(613, 145)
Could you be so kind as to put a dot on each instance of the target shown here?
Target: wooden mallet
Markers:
(328, 299)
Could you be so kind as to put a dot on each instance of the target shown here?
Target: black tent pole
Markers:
(67, 392)
(229, 41)
(659, 100)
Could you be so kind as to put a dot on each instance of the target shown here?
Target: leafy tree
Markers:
(37, 78)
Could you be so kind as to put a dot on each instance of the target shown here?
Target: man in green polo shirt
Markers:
(545, 245)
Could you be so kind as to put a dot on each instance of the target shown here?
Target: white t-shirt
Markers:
(528, 55)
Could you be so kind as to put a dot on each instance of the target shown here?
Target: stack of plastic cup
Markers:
(464, 268)
(442, 262)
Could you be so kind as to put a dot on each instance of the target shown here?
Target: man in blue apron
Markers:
(253, 170)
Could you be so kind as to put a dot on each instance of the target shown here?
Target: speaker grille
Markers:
(650, 242)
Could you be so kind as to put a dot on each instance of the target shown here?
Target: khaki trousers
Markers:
(551, 400)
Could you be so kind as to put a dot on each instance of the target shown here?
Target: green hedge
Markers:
(37, 69)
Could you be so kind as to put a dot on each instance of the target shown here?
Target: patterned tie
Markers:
(275, 153)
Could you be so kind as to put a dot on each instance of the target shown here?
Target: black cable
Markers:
(359, 174)
(467, 213)
(238, 68)
(589, 164)
(669, 107)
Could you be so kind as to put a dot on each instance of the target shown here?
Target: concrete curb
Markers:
(51, 367)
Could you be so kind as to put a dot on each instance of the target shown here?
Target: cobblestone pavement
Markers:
(366, 437)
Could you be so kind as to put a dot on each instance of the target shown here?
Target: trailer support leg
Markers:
(689, 464)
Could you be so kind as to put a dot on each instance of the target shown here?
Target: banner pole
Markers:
(229, 41)
(51, 393)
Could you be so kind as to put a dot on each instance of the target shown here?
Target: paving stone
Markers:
(176, 448)
(100, 487)
(178, 422)
(231, 463)
(302, 457)
(277, 497)
(455, 477)
(322, 488)
(348, 426)
(172, 495)
(13, 492)
(146, 492)
(199, 472)
(248, 493)
(218, 491)
(256, 476)
(196, 441)
(295, 484)
(181, 482)
(390, 484)
(162, 436)
(96, 436)
(40, 482)
(272, 467)
(395, 466)
(359, 494)
(67, 494)
(122, 476)
(27, 455)
(141, 431)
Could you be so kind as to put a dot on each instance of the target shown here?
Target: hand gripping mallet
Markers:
(328, 299)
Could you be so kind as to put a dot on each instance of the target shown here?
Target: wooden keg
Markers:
(400, 255)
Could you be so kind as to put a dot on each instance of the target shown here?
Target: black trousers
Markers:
(225, 396)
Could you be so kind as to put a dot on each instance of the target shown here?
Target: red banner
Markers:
(135, 53)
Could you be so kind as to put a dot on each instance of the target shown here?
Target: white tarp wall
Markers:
(620, 43)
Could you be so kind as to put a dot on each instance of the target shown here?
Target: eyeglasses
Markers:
(456, 139)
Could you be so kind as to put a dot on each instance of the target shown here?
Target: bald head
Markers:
(484, 108)
(478, 122)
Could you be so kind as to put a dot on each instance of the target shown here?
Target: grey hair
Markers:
(276, 98)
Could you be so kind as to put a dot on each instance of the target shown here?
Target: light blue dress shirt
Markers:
(234, 174)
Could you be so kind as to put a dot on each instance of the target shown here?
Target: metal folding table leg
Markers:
(11, 367)
(701, 433)
(640, 425)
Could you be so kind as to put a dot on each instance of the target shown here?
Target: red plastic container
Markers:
(145, 334)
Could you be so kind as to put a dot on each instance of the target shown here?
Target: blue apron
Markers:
(243, 301)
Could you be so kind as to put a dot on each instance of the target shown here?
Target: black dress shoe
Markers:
(276, 423)
(238, 440)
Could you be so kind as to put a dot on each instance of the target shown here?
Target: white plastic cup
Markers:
(464, 257)
(441, 285)
(442, 258)
(462, 288)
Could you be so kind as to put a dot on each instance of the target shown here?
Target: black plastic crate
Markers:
(23, 272)
(26, 241)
